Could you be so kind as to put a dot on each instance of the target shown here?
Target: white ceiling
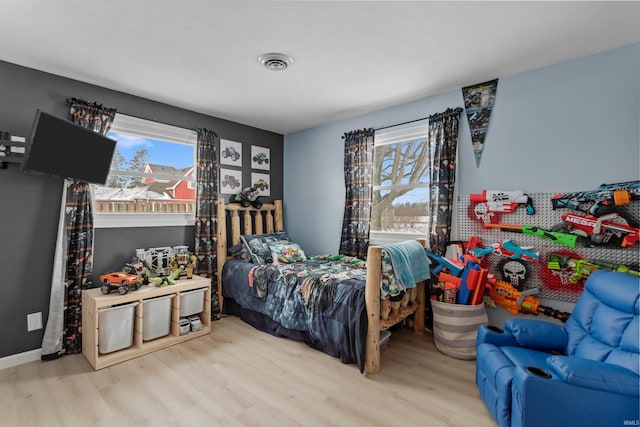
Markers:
(350, 57)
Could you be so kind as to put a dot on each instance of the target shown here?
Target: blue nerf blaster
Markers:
(438, 263)
(468, 282)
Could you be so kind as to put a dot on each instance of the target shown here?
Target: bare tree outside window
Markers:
(401, 183)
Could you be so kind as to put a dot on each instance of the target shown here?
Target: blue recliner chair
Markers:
(583, 373)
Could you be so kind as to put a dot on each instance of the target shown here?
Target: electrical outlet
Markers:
(34, 321)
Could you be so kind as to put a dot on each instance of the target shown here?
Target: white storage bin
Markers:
(115, 327)
(156, 317)
(192, 302)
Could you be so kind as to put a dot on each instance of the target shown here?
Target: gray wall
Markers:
(567, 127)
(30, 205)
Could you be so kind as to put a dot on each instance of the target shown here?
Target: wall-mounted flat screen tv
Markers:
(61, 148)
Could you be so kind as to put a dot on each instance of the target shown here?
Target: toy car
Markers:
(120, 280)
(185, 326)
(139, 268)
(247, 197)
(196, 323)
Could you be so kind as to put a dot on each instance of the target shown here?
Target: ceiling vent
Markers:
(275, 61)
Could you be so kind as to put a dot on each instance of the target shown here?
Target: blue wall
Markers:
(565, 127)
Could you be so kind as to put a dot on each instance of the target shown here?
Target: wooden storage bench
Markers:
(93, 300)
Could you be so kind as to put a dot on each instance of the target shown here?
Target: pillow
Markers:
(258, 245)
(239, 251)
(286, 253)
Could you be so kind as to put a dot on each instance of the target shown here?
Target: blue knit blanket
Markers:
(409, 261)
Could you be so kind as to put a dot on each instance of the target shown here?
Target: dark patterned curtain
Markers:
(206, 220)
(358, 176)
(443, 143)
(77, 246)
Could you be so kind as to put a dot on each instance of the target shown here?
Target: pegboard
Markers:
(553, 284)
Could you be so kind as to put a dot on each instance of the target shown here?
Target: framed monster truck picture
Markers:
(230, 153)
(261, 182)
(230, 181)
(260, 158)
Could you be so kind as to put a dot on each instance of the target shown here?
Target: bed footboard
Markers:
(379, 320)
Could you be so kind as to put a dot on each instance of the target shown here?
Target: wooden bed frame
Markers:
(269, 219)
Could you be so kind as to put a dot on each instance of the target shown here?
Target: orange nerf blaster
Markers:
(469, 287)
(514, 301)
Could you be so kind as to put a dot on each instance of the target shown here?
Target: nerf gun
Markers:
(583, 268)
(601, 229)
(503, 201)
(565, 239)
(591, 201)
(469, 287)
(507, 249)
(438, 263)
(514, 301)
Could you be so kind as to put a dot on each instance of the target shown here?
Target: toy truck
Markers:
(120, 281)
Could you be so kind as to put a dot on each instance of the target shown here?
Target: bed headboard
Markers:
(249, 220)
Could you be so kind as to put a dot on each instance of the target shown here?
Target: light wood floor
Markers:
(239, 376)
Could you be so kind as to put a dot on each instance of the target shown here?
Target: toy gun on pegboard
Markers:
(591, 201)
(600, 230)
(514, 301)
(582, 268)
(503, 201)
(565, 239)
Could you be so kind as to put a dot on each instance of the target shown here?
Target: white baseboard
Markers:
(20, 358)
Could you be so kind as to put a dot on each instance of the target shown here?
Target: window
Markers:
(400, 183)
(152, 177)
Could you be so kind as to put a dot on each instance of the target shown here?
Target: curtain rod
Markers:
(87, 104)
(449, 111)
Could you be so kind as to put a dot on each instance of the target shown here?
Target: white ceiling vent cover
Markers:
(275, 61)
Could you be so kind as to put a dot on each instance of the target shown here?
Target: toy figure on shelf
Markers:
(157, 259)
(162, 281)
(182, 258)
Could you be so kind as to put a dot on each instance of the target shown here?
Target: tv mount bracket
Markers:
(12, 149)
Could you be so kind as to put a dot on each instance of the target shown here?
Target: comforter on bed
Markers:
(322, 297)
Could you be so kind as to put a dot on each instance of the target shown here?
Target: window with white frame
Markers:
(152, 176)
(400, 198)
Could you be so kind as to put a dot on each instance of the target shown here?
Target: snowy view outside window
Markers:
(401, 183)
(152, 171)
